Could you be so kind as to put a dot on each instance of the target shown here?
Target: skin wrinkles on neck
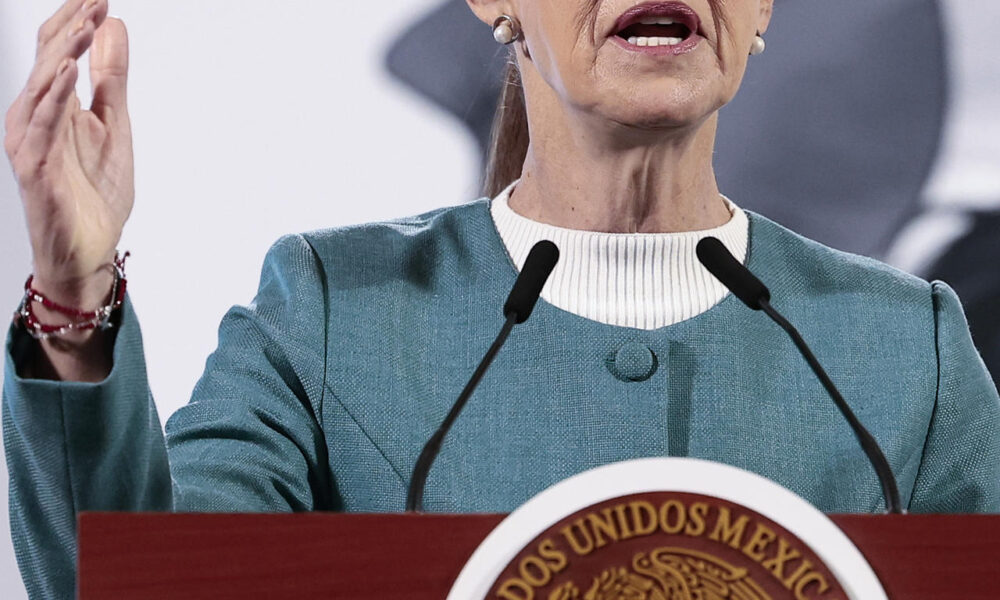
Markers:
(583, 172)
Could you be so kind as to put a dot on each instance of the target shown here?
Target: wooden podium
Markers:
(417, 557)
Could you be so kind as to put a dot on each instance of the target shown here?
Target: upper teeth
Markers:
(657, 21)
(654, 41)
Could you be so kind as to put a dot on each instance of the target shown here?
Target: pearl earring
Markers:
(758, 46)
(506, 30)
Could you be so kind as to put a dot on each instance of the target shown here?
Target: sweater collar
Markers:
(639, 280)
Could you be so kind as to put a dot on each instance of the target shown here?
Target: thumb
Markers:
(109, 69)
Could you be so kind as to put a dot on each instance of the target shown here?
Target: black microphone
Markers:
(537, 267)
(522, 299)
(745, 286)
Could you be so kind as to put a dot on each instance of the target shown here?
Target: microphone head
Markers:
(714, 255)
(537, 267)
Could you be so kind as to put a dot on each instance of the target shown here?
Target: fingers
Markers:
(70, 40)
(56, 22)
(109, 69)
(41, 132)
(74, 32)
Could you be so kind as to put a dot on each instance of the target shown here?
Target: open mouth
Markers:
(657, 24)
(655, 32)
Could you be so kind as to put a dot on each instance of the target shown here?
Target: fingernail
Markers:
(90, 4)
(63, 66)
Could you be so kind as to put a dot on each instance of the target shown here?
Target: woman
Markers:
(323, 390)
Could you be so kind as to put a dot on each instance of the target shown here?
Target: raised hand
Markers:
(74, 167)
(75, 175)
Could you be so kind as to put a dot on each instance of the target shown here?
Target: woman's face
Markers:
(647, 64)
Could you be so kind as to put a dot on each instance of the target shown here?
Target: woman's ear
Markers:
(488, 10)
(763, 18)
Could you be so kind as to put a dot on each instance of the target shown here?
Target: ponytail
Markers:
(509, 138)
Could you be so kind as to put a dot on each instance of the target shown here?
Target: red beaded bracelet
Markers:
(83, 320)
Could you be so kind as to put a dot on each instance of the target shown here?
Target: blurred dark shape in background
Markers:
(460, 70)
(833, 134)
(972, 266)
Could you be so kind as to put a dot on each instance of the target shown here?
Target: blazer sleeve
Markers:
(249, 440)
(72, 447)
(960, 468)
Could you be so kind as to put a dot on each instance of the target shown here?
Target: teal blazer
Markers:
(324, 389)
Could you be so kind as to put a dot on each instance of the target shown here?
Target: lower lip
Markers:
(684, 47)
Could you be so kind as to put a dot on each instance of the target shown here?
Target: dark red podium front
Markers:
(417, 557)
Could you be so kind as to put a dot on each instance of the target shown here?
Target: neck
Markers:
(594, 176)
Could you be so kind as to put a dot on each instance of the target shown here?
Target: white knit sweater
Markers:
(641, 280)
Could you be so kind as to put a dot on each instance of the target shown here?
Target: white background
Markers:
(252, 119)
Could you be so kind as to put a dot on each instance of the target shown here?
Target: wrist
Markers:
(81, 279)
(85, 292)
(59, 309)
(69, 318)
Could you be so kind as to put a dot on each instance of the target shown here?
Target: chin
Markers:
(666, 104)
(663, 110)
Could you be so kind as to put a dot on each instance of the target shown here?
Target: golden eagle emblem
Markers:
(669, 574)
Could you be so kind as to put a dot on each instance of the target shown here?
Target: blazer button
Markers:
(633, 362)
